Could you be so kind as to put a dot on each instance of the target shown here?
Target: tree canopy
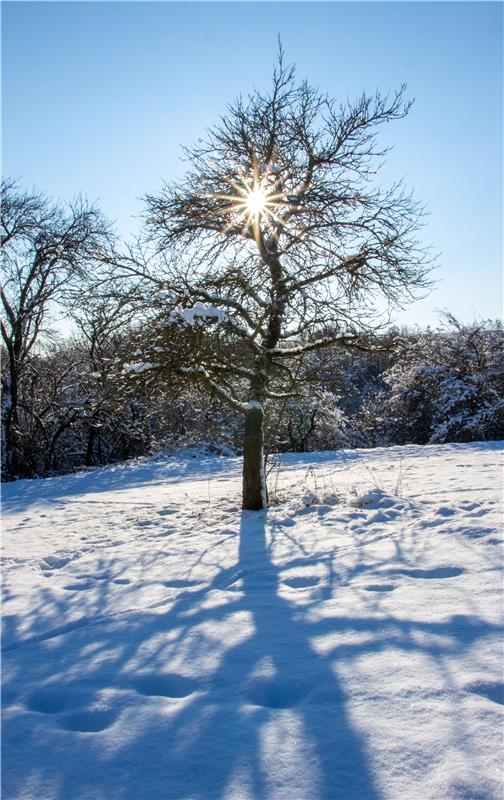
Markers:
(279, 238)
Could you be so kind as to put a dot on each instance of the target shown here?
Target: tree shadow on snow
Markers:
(222, 696)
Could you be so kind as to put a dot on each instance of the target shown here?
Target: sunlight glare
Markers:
(256, 201)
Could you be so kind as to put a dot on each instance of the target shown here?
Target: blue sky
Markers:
(99, 97)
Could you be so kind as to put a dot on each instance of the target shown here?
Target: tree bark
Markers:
(89, 459)
(254, 480)
(11, 427)
(255, 491)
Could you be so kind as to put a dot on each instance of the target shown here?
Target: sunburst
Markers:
(255, 205)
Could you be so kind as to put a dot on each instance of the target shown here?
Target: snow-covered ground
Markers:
(159, 644)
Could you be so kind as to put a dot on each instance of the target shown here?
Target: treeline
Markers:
(80, 405)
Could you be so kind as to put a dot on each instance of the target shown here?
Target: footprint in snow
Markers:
(301, 582)
(180, 583)
(476, 533)
(436, 572)
(479, 513)
(162, 534)
(108, 542)
(493, 691)
(431, 523)
(48, 701)
(466, 505)
(271, 693)
(79, 587)
(56, 561)
(59, 702)
(380, 587)
(171, 685)
(445, 511)
(378, 516)
(89, 721)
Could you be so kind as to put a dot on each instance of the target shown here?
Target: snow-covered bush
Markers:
(316, 423)
(78, 406)
(447, 385)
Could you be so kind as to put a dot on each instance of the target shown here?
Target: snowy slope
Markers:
(161, 645)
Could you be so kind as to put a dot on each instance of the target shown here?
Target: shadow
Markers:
(268, 695)
(297, 677)
(213, 693)
(18, 496)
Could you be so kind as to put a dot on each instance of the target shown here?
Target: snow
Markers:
(253, 404)
(139, 366)
(197, 314)
(160, 644)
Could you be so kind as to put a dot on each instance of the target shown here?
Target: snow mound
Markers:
(376, 498)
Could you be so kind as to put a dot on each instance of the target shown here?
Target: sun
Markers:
(256, 201)
(253, 201)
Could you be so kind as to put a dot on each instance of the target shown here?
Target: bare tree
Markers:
(44, 247)
(104, 324)
(280, 241)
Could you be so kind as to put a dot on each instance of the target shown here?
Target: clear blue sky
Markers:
(98, 97)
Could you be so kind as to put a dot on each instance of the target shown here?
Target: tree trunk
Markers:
(89, 459)
(254, 480)
(11, 429)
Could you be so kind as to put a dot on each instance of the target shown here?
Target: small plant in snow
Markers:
(403, 471)
(321, 492)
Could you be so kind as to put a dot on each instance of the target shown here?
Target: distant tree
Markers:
(280, 243)
(311, 421)
(45, 246)
(447, 385)
(103, 323)
(344, 385)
